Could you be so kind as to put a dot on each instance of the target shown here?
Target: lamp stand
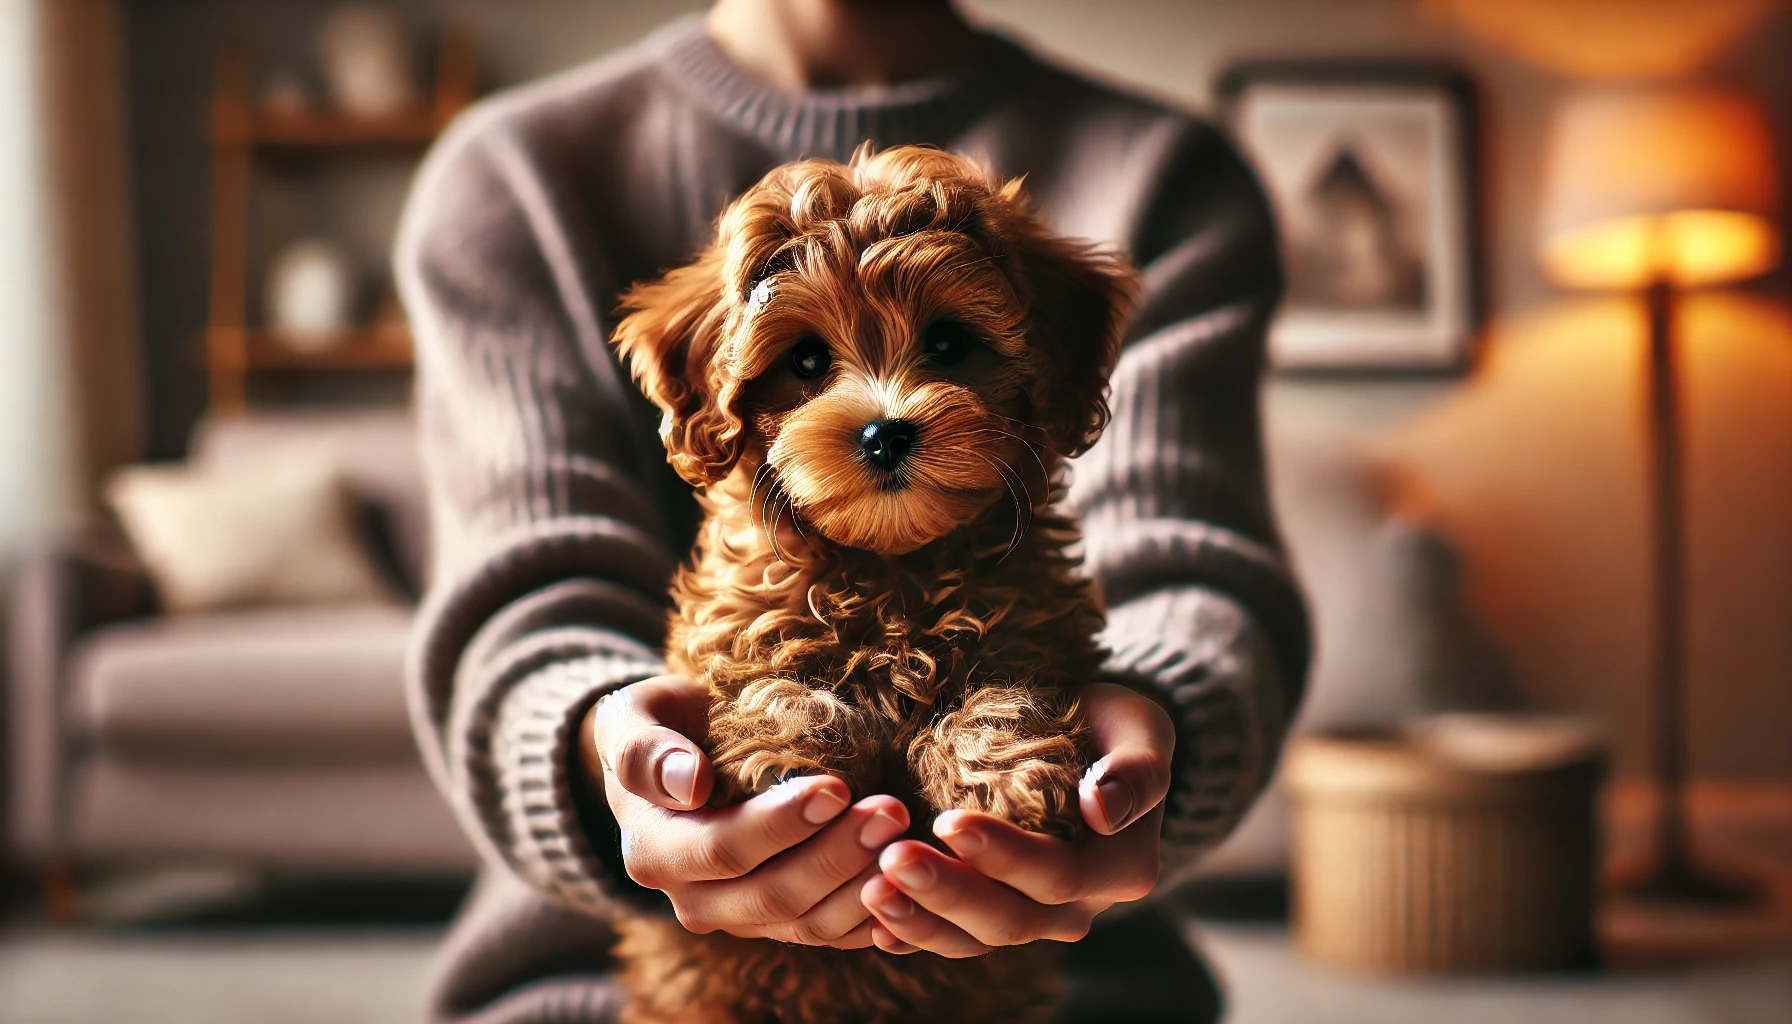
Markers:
(1673, 877)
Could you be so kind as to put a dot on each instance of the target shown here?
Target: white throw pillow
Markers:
(283, 533)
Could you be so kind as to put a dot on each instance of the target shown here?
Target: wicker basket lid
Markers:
(1451, 757)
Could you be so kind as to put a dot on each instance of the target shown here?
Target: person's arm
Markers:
(1204, 613)
(550, 563)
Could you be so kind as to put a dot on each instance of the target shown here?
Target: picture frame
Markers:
(1371, 169)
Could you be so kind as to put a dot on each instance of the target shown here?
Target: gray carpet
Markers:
(375, 977)
(1266, 984)
(202, 979)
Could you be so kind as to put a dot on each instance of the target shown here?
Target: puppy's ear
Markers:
(671, 342)
(1082, 297)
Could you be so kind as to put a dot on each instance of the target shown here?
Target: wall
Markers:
(1577, 646)
(37, 476)
(89, 201)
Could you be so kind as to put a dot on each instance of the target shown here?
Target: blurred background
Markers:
(1494, 211)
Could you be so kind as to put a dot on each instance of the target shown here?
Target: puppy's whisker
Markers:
(759, 477)
(768, 525)
(784, 509)
(1023, 516)
(1044, 474)
(796, 519)
(1023, 520)
(766, 471)
(1014, 499)
(1024, 489)
(762, 506)
(771, 515)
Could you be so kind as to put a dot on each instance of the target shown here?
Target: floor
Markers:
(375, 978)
(1267, 984)
(77, 978)
(361, 956)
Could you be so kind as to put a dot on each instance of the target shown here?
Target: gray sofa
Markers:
(268, 738)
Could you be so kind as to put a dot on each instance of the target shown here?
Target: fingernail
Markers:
(880, 830)
(1116, 801)
(896, 905)
(823, 806)
(678, 775)
(914, 874)
(967, 842)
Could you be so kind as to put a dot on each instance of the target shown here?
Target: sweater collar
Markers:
(832, 122)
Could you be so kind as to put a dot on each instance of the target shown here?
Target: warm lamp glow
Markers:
(1659, 186)
(1689, 248)
(1609, 39)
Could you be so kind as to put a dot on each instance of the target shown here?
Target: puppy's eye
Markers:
(810, 358)
(948, 342)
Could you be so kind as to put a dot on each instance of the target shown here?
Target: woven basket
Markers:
(1465, 843)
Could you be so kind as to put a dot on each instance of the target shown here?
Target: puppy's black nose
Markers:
(885, 443)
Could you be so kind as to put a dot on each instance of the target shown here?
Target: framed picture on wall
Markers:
(1371, 171)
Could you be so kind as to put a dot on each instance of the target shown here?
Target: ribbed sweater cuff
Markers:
(1214, 668)
(534, 755)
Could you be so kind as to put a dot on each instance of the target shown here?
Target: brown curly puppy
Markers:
(874, 373)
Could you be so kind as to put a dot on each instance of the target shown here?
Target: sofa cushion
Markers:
(283, 533)
(375, 453)
(348, 819)
(275, 686)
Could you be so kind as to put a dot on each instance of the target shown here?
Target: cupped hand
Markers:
(1007, 886)
(787, 864)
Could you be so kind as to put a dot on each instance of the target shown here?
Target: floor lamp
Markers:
(1654, 191)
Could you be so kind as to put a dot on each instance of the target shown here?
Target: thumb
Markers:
(1134, 739)
(640, 735)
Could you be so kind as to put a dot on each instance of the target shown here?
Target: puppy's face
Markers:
(888, 346)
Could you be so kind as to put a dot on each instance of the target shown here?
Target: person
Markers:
(535, 682)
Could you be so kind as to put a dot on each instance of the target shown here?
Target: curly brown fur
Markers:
(915, 628)
(673, 975)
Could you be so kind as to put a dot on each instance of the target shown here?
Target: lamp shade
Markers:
(1649, 184)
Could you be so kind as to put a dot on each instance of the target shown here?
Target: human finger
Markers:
(907, 923)
(1118, 868)
(1134, 740)
(644, 736)
(663, 848)
(985, 909)
(861, 937)
(885, 941)
(791, 885)
(835, 919)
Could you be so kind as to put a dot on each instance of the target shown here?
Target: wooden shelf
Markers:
(326, 129)
(384, 347)
(241, 132)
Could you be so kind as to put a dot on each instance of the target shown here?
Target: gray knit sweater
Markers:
(558, 523)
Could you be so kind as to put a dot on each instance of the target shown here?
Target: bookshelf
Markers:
(243, 136)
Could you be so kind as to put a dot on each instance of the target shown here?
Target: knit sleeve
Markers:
(1203, 610)
(551, 556)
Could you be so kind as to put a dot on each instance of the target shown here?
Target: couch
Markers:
(271, 738)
